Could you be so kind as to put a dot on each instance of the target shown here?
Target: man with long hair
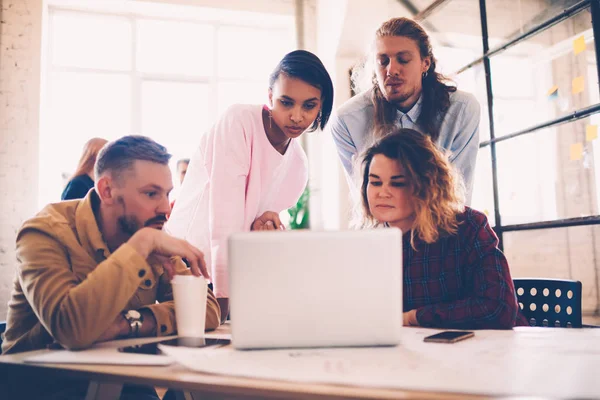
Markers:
(407, 92)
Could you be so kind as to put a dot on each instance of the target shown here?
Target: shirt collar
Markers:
(413, 113)
(88, 231)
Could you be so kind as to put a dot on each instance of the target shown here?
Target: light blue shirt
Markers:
(351, 129)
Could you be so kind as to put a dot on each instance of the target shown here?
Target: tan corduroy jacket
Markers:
(69, 288)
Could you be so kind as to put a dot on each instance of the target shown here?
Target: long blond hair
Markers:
(86, 163)
(437, 191)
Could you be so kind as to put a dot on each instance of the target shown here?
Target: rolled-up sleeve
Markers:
(75, 312)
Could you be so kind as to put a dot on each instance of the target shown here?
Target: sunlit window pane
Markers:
(242, 93)
(542, 78)
(249, 52)
(547, 175)
(90, 41)
(79, 106)
(175, 114)
(89, 104)
(148, 72)
(175, 48)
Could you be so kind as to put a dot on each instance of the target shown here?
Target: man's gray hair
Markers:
(119, 155)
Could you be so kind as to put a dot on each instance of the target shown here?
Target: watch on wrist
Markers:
(135, 319)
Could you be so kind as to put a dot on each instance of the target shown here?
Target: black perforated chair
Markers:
(550, 302)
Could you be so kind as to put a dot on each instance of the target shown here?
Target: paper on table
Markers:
(548, 363)
(98, 356)
(106, 353)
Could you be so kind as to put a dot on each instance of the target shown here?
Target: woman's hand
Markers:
(269, 221)
(409, 318)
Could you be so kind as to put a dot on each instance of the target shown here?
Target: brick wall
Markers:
(20, 44)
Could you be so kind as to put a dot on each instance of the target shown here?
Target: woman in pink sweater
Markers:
(249, 166)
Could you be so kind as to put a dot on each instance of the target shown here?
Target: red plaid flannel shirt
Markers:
(461, 281)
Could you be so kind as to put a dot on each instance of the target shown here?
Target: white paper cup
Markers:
(189, 293)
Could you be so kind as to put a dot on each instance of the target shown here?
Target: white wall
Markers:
(20, 44)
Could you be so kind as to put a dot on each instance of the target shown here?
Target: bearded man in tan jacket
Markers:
(99, 268)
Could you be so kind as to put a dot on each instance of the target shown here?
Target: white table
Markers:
(544, 362)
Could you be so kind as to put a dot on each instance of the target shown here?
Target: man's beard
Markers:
(397, 98)
(130, 224)
(394, 98)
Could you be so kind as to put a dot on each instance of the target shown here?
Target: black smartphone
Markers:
(449, 337)
(152, 348)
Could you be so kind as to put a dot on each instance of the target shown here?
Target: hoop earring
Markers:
(424, 75)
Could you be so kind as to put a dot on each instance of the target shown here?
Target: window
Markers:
(533, 80)
(545, 100)
(540, 180)
(163, 71)
(171, 47)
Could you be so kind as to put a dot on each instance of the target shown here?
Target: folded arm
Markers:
(76, 313)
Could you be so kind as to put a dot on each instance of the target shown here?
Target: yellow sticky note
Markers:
(579, 44)
(578, 84)
(576, 151)
(591, 132)
(553, 91)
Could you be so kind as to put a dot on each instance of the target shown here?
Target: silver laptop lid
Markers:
(315, 289)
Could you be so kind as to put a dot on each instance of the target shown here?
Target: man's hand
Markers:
(149, 241)
(119, 328)
(269, 221)
(409, 318)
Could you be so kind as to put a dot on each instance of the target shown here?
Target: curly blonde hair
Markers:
(437, 190)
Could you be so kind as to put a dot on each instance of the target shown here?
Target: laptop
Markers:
(298, 289)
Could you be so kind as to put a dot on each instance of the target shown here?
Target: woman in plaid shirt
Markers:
(455, 276)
